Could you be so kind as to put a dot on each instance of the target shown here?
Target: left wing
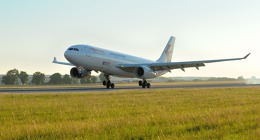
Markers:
(62, 63)
(174, 65)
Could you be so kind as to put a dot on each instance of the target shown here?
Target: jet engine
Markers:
(144, 72)
(79, 72)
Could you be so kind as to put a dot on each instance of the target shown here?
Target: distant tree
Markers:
(55, 79)
(221, 79)
(102, 77)
(196, 80)
(240, 78)
(11, 77)
(24, 77)
(66, 79)
(75, 81)
(253, 78)
(38, 78)
(94, 79)
(85, 80)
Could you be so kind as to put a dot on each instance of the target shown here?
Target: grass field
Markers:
(221, 113)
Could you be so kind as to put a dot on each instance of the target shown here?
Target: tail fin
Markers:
(166, 55)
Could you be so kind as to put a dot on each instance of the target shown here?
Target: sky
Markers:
(33, 32)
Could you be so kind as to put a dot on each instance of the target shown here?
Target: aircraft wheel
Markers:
(140, 83)
(112, 85)
(148, 85)
(108, 84)
(144, 84)
(104, 83)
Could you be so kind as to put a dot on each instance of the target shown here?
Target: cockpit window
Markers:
(75, 49)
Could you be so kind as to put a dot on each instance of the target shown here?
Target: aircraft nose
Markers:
(67, 54)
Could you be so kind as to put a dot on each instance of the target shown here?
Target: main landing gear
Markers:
(108, 83)
(144, 84)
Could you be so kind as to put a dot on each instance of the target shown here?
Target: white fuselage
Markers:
(97, 59)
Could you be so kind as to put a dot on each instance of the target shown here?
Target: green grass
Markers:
(221, 113)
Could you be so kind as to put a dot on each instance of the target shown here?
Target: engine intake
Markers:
(144, 72)
(79, 73)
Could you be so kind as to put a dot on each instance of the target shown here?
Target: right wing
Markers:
(174, 65)
(62, 63)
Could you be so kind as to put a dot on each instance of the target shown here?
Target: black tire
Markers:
(104, 83)
(108, 84)
(140, 83)
(145, 83)
(112, 85)
(148, 85)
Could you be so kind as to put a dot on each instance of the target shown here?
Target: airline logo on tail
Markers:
(168, 52)
(166, 55)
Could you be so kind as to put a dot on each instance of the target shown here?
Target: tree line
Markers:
(14, 77)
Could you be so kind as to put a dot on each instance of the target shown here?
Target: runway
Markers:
(103, 89)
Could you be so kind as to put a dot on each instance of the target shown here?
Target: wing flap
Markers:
(175, 65)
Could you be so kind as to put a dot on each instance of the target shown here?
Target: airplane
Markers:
(86, 58)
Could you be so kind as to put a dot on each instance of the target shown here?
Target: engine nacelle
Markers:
(79, 73)
(144, 72)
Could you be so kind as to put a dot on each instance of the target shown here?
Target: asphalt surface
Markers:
(90, 89)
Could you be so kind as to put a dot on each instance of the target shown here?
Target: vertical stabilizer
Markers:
(166, 55)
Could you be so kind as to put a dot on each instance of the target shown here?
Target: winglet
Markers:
(246, 56)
